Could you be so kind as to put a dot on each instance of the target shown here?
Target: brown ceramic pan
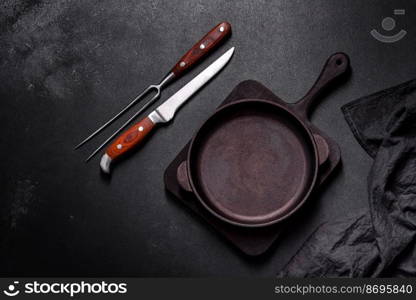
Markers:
(255, 162)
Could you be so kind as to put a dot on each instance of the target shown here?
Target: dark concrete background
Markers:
(67, 66)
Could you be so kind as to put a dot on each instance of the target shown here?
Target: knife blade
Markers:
(164, 113)
(206, 45)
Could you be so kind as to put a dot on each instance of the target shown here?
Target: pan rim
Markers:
(308, 189)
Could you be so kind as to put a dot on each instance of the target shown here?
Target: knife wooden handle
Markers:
(130, 138)
(208, 43)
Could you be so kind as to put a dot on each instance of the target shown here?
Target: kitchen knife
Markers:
(163, 114)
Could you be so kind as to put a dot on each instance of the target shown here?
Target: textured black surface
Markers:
(66, 66)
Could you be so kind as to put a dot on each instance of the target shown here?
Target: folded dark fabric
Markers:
(381, 242)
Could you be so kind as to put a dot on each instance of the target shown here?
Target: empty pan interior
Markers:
(252, 163)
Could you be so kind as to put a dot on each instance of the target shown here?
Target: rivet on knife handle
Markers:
(200, 49)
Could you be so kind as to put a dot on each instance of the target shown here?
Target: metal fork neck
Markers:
(166, 80)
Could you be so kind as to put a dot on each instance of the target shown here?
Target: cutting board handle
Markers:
(336, 65)
(182, 177)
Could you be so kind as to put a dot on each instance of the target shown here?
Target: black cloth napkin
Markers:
(379, 242)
